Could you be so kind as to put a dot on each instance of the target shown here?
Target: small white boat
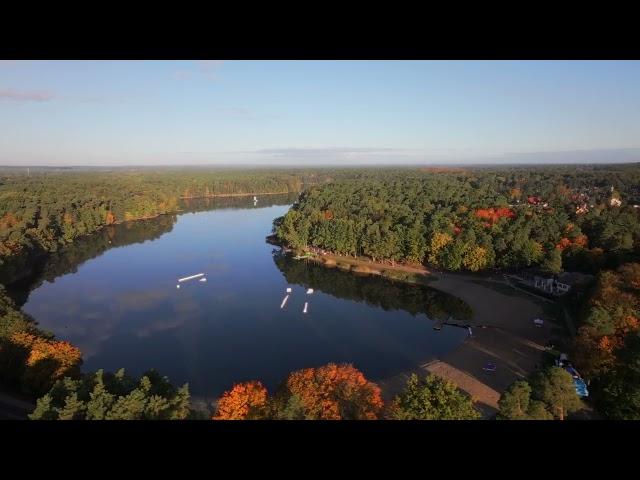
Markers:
(203, 280)
(284, 301)
(309, 291)
(177, 286)
(306, 305)
(289, 290)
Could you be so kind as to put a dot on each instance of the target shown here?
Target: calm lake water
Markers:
(114, 295)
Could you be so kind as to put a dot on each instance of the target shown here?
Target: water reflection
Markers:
(121, 308)
(372, 289)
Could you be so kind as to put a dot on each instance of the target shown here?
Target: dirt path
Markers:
(375, 266)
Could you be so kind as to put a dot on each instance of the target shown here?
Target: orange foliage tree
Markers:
(335, 392)
(39, 361)
(494, 214)
(245, 401)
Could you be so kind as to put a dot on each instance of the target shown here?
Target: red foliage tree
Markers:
(245, 401)
(335, 392)
(494, 214)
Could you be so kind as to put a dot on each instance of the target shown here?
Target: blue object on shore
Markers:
(489, 367)
(581, 387)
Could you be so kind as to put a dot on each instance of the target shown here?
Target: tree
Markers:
(475, 258)
(618, 392)
(331, 392)
(107, 396)
(439, 241)
(516, 404)
(432, 399)
(555, 387)
(552, 262)
(40, 361)
(245, 401)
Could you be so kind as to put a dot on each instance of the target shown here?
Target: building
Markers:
(561, 284)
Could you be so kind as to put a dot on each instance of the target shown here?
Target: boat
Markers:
(306, 305)
(184, 279)
(288, 289)
(203, 279)
(309, 291)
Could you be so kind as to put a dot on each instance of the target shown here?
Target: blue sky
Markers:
(317, 112)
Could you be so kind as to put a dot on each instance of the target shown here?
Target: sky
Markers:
(317, 112)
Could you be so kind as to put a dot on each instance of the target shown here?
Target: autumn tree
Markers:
(37, 362)
(331, 392)
(245, 401)
(432, 398)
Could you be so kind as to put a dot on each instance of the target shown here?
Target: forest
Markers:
(46, 210)
(555, 218)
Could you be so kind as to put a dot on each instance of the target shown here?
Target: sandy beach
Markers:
(510, 341)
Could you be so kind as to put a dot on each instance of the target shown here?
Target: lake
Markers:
(114, 295)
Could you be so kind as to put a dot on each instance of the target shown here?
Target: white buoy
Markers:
(289, 290)
(284, 301)
(306, 304)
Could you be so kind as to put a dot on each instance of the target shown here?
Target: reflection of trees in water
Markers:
(69, 258)
(240, 202)
(373, 290)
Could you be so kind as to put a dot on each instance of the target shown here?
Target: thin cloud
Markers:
(182, 74)
(209, 68)
(26, 95)
(327, 152)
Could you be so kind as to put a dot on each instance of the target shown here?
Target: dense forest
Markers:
(46, 210)
(557, 218)
(607, 347)
(576, 218)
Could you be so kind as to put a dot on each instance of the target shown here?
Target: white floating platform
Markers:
(184, 279)
(284, 301)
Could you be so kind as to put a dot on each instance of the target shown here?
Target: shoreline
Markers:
(39, 256)
(503, 332)
(234, 195)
